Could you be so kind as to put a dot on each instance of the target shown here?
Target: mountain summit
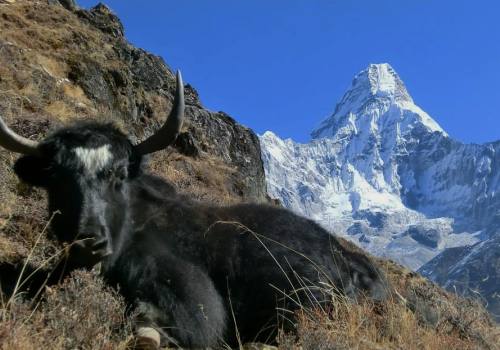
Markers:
(384, 174)
(379, 96)
(383, 81)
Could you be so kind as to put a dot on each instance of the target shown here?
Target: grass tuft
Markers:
(81, 313)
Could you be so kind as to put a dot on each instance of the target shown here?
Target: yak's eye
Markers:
(105, 174)
(108, 173)
(115, 175)
(121, 173)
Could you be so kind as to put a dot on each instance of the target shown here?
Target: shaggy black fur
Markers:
(189, 266)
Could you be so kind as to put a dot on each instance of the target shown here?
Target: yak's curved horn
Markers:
(168, 132)
(16, 143)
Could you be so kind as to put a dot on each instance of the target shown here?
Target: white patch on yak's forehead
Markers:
(94, 160)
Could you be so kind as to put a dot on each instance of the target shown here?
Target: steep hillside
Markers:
(78, 65)
(63, 64)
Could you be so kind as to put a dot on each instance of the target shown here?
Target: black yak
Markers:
(193, 271)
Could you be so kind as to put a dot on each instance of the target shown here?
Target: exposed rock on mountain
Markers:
(470, 271)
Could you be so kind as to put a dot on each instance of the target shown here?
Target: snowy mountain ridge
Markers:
(383, 173)
(378, 83)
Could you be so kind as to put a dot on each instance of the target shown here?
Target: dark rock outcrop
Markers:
(102, 18)
(426, 236)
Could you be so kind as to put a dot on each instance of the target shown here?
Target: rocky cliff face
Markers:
(384, 174)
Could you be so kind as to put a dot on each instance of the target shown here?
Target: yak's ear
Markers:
(33, 170)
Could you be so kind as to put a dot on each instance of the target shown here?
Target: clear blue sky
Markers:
(282, 65)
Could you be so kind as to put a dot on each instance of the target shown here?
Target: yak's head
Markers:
(86, 170)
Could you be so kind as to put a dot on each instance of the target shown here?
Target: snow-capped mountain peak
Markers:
(378, 80)
(374, 92)
(384, 82)
(381, 172)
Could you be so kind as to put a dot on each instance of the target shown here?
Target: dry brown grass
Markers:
(389, 325)
(36, 80)
(206, 178)
(82, 313)
(40, 45)
(394, 324)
